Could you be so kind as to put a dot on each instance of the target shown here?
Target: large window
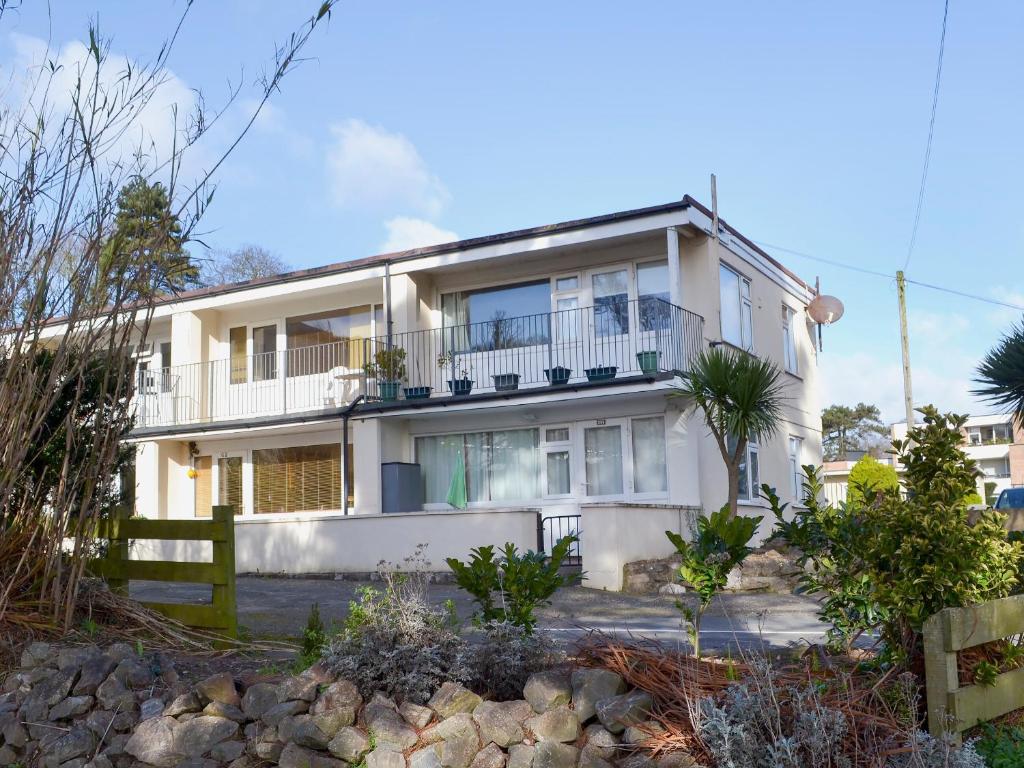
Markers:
(301, 479)
(737, 312)
(499, 466)
(611, 303)
(229, 482)
(649, 455)
(652, 288)
(322, 341)
(264, 353)
(602, 455)
(504, 317)
(789, 340)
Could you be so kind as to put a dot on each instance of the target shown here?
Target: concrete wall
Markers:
(615, 534)
(354, 544)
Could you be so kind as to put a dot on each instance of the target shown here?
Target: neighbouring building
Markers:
(995, 442)
(537, 364)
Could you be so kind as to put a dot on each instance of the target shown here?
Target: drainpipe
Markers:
(344, 451)
(387, 302)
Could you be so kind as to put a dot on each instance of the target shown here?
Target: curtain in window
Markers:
(500, 466)
(514, 469)
(455, 319)
(649, 455)
(603, 455)
(559, 480)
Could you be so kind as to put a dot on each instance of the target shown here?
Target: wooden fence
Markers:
(951, 706)
(218, 615)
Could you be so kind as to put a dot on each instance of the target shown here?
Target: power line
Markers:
(931, 133)
(887, 276)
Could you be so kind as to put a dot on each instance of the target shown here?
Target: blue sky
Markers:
(415, 121)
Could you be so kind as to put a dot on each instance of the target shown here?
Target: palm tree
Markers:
(1001, 373)
(741, 397)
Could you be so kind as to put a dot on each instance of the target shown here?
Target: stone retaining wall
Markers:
(86, 707)
(765, 570)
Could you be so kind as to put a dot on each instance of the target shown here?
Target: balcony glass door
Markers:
(611, 322)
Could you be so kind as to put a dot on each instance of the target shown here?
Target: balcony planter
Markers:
(648, 362)
(558, 376)
(506, 382)
(417, 393)
(388, 390)
(601, 373)
(460, 387)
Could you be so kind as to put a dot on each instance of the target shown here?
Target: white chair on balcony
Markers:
(343, 386)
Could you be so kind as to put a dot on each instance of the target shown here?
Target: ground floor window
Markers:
(605, 458)
(796, 472)
(500, 465)
(299, 479)
(749, 470)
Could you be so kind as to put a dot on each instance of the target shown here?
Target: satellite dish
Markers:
(825, 310)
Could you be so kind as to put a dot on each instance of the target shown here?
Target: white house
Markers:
(255, 394)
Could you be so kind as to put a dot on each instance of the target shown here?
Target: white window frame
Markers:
(246, 458)
(790, 342)
(796, 447)
(556, 446)
(753, 495)
(632, 459)
(746, 319)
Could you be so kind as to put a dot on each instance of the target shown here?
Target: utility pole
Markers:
(901, 293)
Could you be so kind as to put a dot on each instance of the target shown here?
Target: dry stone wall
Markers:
(86, 707)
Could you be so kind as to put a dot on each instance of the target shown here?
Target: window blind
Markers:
(204, 486)
(300, 479)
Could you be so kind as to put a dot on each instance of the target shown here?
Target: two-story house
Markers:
(334, 406)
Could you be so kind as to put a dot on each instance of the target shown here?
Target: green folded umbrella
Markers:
(457, 487)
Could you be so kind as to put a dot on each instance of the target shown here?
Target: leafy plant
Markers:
(1001, 373)
(721, 542)
(869, 472)
(828, 540)
(1001, 747)
(741, 398)
(387, 365)
(509, 586)
(90, 627)
(985, 673)
(505, 656)
(314, 639)
(450, 360)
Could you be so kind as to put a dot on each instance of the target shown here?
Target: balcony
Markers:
(615, 341)
(604, 343)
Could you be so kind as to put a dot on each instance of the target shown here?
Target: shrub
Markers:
(505, 657)
(870, 473)
(395, 641)
(510, 587)
(1001, 747)
(829, 540)
(314, 639)
(892, 562)
(720, 543)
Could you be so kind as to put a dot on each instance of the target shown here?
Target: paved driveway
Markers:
(277, 608)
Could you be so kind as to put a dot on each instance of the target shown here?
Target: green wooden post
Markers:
(117, 548)
(940, 676)
(224, 561)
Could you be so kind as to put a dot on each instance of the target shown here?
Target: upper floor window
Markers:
(652, 289)
(166, 374)
(737, 310)
(504, 317)
(322, 341)
(789, 340)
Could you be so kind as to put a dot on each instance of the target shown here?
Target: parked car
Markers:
(1011, 501)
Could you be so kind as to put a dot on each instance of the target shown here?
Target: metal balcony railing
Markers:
(609, 341)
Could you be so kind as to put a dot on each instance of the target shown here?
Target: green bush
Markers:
(314, 639)
(870, 473)
(720, 543)
(891, 562)
(828, 540)
(1001, 747)
(510, 586)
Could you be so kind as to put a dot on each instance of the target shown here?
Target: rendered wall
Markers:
(616, 534)
(354, 544)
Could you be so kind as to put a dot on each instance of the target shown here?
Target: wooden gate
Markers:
(117, 569)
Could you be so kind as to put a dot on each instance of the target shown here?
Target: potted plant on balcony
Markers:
(460, 386)
(648, 361)
(558, 376)
(420, 392)
(601, 372)
(388, 368)
(505, 382)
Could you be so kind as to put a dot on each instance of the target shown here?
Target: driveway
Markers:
(276, 608)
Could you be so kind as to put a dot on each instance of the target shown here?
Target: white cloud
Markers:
(864, 377)
(405, 233)
(936, 328)
(372, 167)
(148, 126)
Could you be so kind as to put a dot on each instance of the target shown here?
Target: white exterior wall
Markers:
(303, 543)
